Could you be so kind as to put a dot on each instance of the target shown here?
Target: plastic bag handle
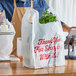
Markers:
(16, 5)
(31, 12)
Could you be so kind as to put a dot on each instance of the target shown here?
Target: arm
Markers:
(65, 27)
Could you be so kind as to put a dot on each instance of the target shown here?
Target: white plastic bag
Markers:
(42, 44)
(6, 42)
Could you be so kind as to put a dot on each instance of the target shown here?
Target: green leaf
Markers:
(47, 17)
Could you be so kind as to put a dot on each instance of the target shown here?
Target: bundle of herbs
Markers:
(47, 17)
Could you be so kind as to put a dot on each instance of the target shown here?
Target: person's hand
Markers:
(66, 28)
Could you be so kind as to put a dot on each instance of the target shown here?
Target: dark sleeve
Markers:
(27, 3)
(8, 7)
(1, 8)
(45, 5)
(20, 3)
(62, 22)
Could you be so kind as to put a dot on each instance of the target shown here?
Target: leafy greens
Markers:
(47, 17)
